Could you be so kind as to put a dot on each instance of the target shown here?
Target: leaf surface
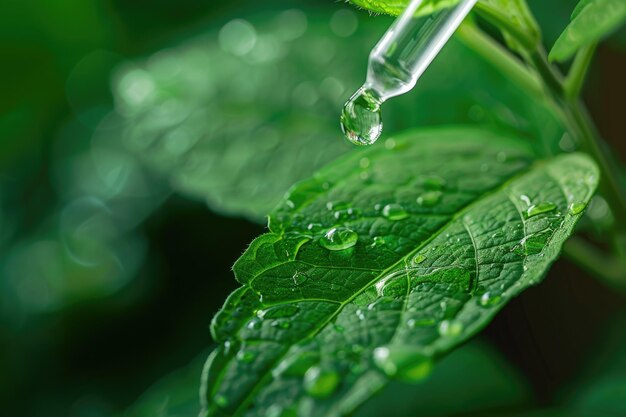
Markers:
(592, 20)
(384, 261)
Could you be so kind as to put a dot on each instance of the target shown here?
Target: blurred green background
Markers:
(141, 144)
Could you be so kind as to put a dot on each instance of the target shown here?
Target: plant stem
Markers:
(578, 72)
(610, 269)
(500, 58)
(583, 129)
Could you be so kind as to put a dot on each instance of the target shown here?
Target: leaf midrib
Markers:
(246, 401)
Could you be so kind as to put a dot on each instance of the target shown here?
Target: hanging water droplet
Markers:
(540, 208)
(361, 119)
(489, 299)
(320, 383)
(577, 208)
(339, 238)
(395, 212)
(403, 363)
(429, 198)
(450, 328)
(299, 278)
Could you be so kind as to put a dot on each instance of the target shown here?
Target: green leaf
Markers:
(592, 21)
(384, 261)
(220, 128)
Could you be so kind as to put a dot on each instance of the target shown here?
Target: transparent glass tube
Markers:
(396, 63)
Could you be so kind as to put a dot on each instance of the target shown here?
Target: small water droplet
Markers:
(314, 226)
(346, 214)
(364, 163)
(299, 278)
(540, 208)
(450, 328)
(434, 183)
(254, 324)
(245, 356)
(320, 383)
(534, 243)
(281, 324)
(429, 198)
(419, 259)
(359, 313)
(394, 212)
(501, 157)
(379, 241)
(403, 363)
(339, 238)
(221, 401)
(420, 322)
(489, 299)
(361, 119)
(577, 208)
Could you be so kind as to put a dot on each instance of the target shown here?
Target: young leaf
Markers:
(592, 20)
(384, 261)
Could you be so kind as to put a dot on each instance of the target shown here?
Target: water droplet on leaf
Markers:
(540, 208)
(394, 212)
(403, 363)
(450, 328)
(221, 401)
(339, 238)
(577, 208)
(489, 299)
(320, 383)
(429, 198)
(299, 278)
(434, 183)
(245, 356)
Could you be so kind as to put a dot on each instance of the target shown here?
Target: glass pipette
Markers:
(396, 63)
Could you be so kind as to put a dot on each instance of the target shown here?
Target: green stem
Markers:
(501, 21)
(501, 59)
(582, 128)
(601, 264)
(578, 73)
